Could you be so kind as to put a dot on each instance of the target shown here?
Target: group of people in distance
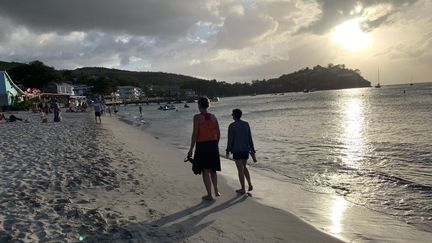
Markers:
(49, 107)
(205, 139)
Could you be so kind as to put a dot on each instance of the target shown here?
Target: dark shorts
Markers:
(241, 156)
(97, 113)
(207, 156)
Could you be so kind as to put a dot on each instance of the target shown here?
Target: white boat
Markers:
(167, 107)
(214, 99)
(378, 84)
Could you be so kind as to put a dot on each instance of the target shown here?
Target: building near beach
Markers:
(188, 93)
(65, 94)
(129, 92)
(8, 89)
(82, 89)
(60, 88)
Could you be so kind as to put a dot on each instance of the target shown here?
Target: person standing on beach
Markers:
(97, 106)
(205, 139)
(109, 110)
(140, 110)
(240, 143)
(57, 117)
(103, 108)
(116, 109)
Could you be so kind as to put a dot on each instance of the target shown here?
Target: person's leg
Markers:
(207, 183)
(241, 176)
(214, 181)
(247, 175)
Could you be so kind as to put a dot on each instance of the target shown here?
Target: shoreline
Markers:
(328, 211)
(78, 181)
(230, 213)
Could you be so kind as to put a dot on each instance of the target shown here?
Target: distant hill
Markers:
(5, 66)
(317, 78)
(143, 78)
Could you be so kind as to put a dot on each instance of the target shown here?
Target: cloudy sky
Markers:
(229, 40)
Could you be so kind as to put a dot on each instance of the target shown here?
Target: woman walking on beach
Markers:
(240, 143)
(205, 139)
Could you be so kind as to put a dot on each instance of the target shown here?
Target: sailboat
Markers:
(378, 84)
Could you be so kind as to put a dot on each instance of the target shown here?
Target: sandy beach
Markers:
(78, 181)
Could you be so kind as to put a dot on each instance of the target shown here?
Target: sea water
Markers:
(368, 148)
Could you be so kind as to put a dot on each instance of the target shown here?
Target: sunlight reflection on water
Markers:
(339, 206)
(353, 138)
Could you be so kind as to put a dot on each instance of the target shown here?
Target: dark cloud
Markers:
(253, 22)
(333, 12)
(71, 51)
(138, 17)
(386, 17)
(369, 25)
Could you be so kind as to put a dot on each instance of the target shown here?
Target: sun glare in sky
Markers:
(350, 36)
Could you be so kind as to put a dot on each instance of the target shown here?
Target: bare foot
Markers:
(250, 188)
(241, 191)
(217, 194)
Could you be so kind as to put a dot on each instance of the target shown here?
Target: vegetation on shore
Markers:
(104, 80)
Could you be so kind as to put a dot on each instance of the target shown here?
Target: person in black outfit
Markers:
(240, 144)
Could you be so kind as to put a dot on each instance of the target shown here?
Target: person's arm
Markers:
(194, 135)
(252, 147)
(230, 141)
(217, 128)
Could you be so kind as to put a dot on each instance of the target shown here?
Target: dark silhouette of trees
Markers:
(35, 74)
(103, 85)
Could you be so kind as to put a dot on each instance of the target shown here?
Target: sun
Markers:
(350, 36)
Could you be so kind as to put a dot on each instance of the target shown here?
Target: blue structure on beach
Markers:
(8, 89)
